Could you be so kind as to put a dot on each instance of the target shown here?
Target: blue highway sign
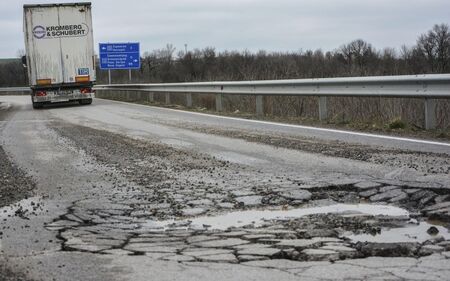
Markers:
(119, 56)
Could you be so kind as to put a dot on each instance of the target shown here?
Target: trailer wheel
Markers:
(37, 105)
(85, 101)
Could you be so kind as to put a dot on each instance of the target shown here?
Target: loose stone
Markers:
(368, 193)
(367, 185)
(301, 195)
(320, 255)
(430, 249)
(249, 200)
(260, 251)
(228, 258)
(386, 195)
(244, 258)
(222, 243)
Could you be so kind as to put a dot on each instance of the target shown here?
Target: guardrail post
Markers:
(189, 100)
(219, 104)
(430, 114)
(323, 112)
(167, 98)
(259, 105)
(151, 98)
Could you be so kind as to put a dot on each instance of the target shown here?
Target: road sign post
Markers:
(119, 56)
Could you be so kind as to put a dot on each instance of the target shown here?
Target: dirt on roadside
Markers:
(409, 130)
(9, 274)
(15, 185)
(432, 163)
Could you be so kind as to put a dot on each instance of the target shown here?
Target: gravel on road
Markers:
(15, 185)
(433, 163)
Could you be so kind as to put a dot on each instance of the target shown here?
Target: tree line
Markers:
(430, 54)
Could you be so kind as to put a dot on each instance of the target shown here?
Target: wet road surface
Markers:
(127, 192)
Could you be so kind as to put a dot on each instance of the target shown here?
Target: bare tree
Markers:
(435, 47)
(357, 55)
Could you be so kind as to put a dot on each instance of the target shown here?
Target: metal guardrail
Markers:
(15, 89)
(425, 86)
(429, 87)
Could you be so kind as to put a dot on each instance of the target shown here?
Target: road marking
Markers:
(293, 126)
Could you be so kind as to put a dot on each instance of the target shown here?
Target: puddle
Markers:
(408, 233)
(257, 218)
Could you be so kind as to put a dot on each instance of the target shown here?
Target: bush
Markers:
(397, 124)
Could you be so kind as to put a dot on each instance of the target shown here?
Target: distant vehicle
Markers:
(59, 52)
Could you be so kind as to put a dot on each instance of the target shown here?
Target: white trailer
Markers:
(59, 52)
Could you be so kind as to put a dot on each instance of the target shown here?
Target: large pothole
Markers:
(318, 229)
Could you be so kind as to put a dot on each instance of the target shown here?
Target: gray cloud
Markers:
(283, 25)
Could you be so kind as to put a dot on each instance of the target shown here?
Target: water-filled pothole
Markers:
(409, 233)
(257, 218)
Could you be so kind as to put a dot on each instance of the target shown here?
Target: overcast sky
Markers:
(273, 25)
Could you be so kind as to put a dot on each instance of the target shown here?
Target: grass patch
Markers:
(397, 124)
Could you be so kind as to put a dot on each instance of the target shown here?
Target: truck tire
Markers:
(37, 105)
(86, 101)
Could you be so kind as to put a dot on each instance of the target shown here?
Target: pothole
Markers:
(257, 218)
(312, 233)
(411, 232)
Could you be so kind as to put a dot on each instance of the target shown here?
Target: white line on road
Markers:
(295, 126)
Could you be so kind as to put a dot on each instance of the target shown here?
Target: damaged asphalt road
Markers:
(117, 196)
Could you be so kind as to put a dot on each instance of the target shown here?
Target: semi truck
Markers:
(60, 56)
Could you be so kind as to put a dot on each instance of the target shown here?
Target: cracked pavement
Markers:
(122, 192)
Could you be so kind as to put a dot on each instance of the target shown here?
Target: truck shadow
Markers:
(62, 105)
